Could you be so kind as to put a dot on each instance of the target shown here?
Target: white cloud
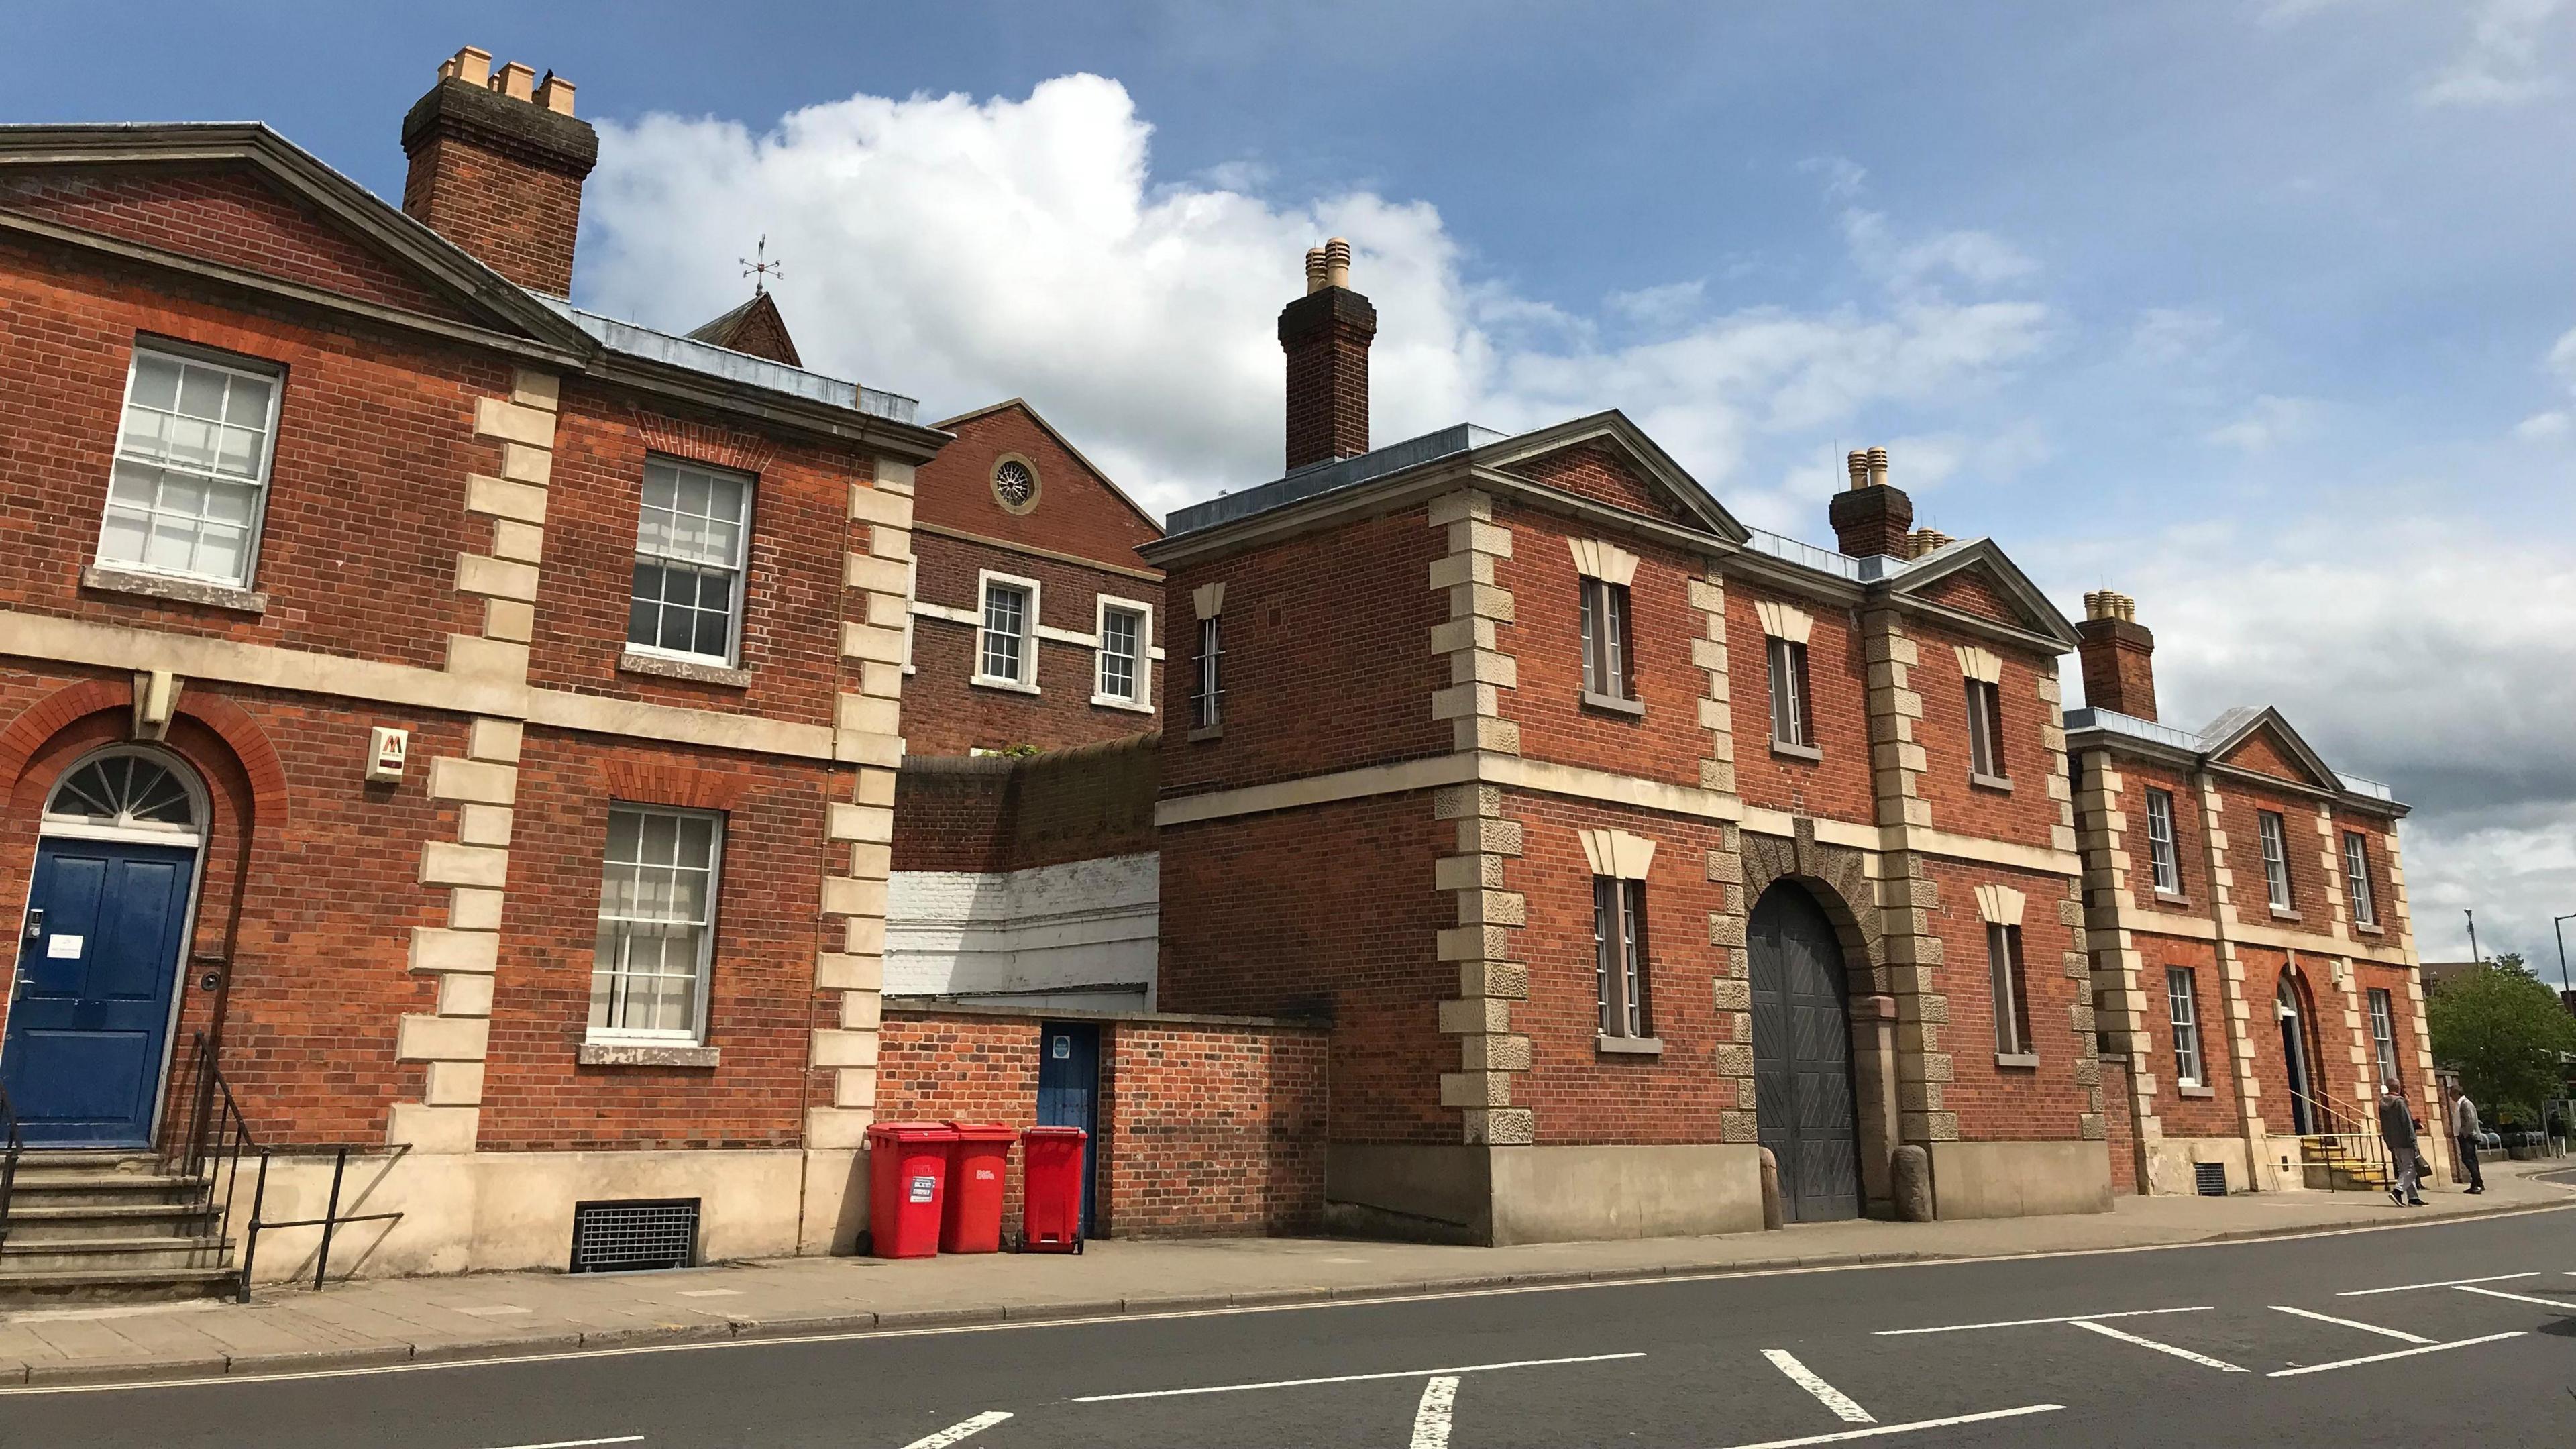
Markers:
(2268, 423)
(962, 251)
(2542, 427)
(2164, 336)
(2500, 65)
(2281, 14)
(1843, 176)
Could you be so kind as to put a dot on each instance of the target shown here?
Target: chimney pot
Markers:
(1856, 463)
(1337, 263)
(555, 94)
(496, 177)
(1314, 269)
(518, 82)
(471, 65)
(2118, 656)
(1924, 540)
(1878, 467)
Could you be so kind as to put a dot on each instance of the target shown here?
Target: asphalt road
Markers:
(2182, 1346)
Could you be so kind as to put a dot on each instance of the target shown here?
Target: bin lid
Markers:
(985, 1131)
(911, 1132)
(1028, 1134)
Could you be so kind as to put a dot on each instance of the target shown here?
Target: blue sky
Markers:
(2252, 308)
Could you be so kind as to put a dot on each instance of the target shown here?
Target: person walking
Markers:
(2464, 1131)
(2397, 1130)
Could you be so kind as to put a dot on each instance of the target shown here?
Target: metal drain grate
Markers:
(631, 1237)
(2210, 1178)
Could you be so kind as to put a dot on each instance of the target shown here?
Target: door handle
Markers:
(35, 922)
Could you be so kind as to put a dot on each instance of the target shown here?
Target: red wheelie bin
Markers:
(979, 1165)
(1052, 1160)
(907, 1187)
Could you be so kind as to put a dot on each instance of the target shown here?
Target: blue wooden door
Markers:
(1069, 1095)
(90, 1013)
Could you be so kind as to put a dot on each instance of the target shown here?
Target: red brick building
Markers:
(2254, 957)
(1620, 841)
(1033, 618)
(475, 720)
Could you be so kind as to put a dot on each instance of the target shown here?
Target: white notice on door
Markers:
(65, 948)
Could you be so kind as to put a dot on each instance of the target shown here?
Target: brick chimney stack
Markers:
(1326, 334)
(1872, 516)
(497, 163)
(2118, 655)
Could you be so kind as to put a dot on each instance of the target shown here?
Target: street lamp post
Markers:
(2567, 992)
(2473, 933)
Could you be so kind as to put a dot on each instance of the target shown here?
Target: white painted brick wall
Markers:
(1081, 926)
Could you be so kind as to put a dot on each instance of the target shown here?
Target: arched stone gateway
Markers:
(1805, 1105)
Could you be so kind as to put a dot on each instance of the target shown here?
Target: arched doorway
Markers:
(109, 906)
(2298, 1055)
(1802, 1070)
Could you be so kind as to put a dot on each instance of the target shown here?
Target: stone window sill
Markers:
(664, 667)
(1111, 701)
(108, 580)
(1629, 1046)
(1613, 704)
(995, 681)
(2172, 898)
(645, 1054)
(2367, 929)
(2022, 1060)
(1207, 732)
(1809, 753)
(2281, 915)
(1990, 782)
(2191, 1089)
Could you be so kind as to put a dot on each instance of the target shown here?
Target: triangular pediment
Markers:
(239, 202)
(1077, 508)
(1976, 578)
(1607, 459)
(2261, 742)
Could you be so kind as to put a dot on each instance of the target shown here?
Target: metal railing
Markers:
(16, 1145)
(2349, 1136)
(213, 1145)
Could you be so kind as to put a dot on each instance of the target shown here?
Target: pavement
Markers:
(374, 1323)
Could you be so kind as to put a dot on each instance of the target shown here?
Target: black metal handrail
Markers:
(213, 1144)
(9, 1155)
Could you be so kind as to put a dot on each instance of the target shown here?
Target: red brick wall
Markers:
(761, 997)
(995, 813)
(2191, 846)
(2240, 810)
(2027, 812)
(1837, 786)
(1604, 476)
(1581, 1094)
(367, 572)
(1545, 639)
(517, 218)
(1996, 1103)
(2217, 1114)
(1328, 662)
(1970, 593)
(1077, 512)
(1206, 1128)
(2376, 832)
(1324, 912)
(2121, 1127)
(223, 214)
(944, 714)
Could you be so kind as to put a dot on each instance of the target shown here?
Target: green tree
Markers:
(2504, 1031)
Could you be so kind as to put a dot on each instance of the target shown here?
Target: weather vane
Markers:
(762, 270)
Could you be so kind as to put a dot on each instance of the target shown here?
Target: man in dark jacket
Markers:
(2464, 1131)
(2397, 1129)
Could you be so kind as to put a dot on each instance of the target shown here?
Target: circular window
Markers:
(1015, 483)
(127, 789)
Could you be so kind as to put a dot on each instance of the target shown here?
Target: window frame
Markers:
(1785, 664)
(2356, 871)
(1605, 615)
(255, 528)
(2164, 853)
(1622, 984)
(1032, 597)
(2182, 1013)
(732, 656)
(1141, 673)
(2274, 831)
(1207, 677)
(2009, 980)
(1986, 732)
(705, 967)
(2383, 1036)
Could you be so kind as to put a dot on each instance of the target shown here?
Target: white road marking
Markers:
(1826, 1394)
(2026, 1322)
(2352, 1323)
(1875, 1430)
(2558, 1303)
(959, 1433)
(2185, 1354)
(580, 1443)
(2445, 1283)
(2318, 1368)
(1472, 1368)
(491, 1310)
(710, 1293)
(1431, 1420)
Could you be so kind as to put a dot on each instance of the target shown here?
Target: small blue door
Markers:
(91, 1010)
(1069, 1096)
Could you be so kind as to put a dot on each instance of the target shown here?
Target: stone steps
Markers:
(108, 1227)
